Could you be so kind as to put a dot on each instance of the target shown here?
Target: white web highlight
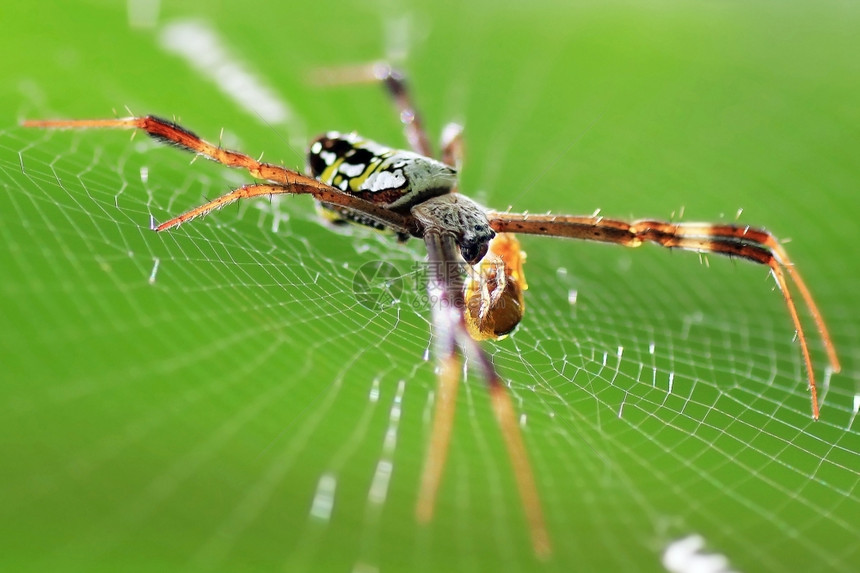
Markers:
(207, 53)
(685, 556)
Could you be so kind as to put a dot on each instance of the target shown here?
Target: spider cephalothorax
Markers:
(460, 217)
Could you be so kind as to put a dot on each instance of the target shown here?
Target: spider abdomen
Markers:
(389, 177)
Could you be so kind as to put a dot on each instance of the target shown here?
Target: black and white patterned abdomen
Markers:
(389, 177)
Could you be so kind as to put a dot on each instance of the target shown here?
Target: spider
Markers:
(408, 192)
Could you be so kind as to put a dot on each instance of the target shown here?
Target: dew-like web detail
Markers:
(671, 421)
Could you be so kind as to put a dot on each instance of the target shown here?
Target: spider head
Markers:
(475, 242)
(456, 215)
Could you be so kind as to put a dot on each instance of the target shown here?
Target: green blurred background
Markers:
(178, 401)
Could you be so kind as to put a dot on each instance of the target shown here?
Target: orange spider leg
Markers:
(173, 134)
(506, 417)
(756, 245)
(445, 287)
(286, 180)
(440, 435)
(766, 239)
(320, 191)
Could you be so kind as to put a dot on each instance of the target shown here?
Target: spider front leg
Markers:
(283, 180)
(446, 245)
(756, 245)
(445, 289)
(319, 191)
(172, 133)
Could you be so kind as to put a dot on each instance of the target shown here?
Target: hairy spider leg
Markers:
(395, 84)
(445, 290)
(287, 181)
(171, 133)
(321, 192)
(443, 293)
(757, 245)
(413, 125)
(397, 87)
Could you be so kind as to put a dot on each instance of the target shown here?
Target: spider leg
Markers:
(320, 191)
(174, 134)
(395, 84)
(445, 289)
(756, 245)
(506, 417)
(286, 180)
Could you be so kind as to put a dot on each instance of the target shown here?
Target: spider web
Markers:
(218, 397)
